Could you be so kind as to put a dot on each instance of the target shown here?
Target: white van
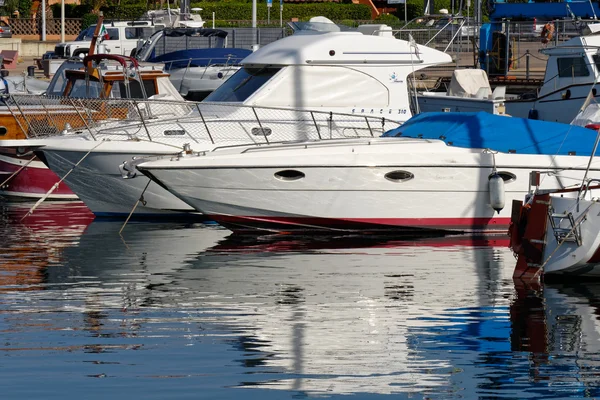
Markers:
(122, 38)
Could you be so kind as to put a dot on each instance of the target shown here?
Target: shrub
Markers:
(387, 18)
(239, 10)
(124, 12)
(71, 10)
(88, 19)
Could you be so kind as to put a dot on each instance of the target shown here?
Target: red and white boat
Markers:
(27, 177)
(399, 185)
(557, 232)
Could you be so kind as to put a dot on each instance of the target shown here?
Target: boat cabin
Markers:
(576, 62)
(52, 113)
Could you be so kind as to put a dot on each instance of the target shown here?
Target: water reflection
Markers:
(357, 313)
(31, 242)
(558, 324)
(204, 310)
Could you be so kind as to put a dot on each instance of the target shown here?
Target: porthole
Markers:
(399, 176)
(3, 131)
(289, 175)
(261, 132)
(506, 176)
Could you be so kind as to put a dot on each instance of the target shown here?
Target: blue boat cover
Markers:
(501, 133)
(201, 57)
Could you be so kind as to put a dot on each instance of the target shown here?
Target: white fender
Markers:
(496, 186)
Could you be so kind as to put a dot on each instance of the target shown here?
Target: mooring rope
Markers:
(53, 188)
(16, 172)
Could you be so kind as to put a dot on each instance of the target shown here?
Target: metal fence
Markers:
(184, 122)
(524, 37)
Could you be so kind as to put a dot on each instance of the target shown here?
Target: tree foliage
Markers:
(23, 6)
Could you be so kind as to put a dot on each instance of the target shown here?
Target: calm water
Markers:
(173, 311)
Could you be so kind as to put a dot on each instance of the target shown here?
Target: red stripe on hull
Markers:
(31, 181)
(595, 258)
(249, 224)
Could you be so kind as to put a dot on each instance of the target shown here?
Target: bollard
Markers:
(527, 64)
(31, 71)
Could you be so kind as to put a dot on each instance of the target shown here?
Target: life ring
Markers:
(547, 33)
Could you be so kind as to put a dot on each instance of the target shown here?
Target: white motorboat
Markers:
(390, 184)
(572, 70)
(361, 74)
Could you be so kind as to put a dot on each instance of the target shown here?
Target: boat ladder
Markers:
(567, 231)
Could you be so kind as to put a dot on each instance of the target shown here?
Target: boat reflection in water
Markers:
(29, 243)
(558, 324)
(303, 315)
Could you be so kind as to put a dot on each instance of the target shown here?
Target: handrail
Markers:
(205, 58)
(123, 60)
(170, 122)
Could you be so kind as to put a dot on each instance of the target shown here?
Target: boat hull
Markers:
(98, 182)
(324, 211)
(30, 180)
(569, 257)
(344, 189)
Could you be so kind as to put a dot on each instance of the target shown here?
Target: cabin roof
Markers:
(313, 47)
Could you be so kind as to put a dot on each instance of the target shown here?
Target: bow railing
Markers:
(176, 122)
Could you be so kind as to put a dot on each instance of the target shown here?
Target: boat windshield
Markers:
(59, 82)
(242, 84)
(86, 34)
(80, 89)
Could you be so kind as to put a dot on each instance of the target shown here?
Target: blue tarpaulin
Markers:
(501, 133)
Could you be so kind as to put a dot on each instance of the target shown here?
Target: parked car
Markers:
(5, 31)
(122, 38)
